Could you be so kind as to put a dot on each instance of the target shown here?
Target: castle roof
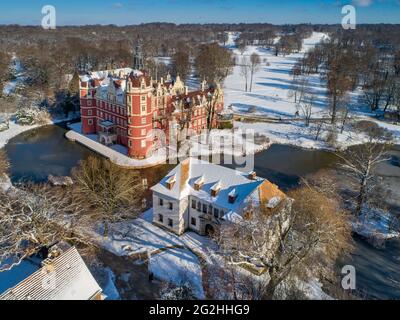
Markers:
(229, 181)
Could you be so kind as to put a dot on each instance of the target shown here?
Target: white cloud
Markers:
(362, 3)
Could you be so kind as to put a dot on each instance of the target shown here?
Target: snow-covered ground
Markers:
(13, 130)
(173, 258)
(270, 98)
(272, 83)
(376, 225)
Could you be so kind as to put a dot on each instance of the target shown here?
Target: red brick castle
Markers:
(123, 106)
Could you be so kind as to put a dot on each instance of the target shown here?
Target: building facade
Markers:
(123, 106)
(198, 195)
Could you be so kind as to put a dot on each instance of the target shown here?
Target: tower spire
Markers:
(138, 63)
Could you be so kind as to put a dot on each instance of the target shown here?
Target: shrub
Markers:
(32, 115)
(226, 125)
(365, 126)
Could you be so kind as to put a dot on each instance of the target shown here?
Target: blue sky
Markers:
(123, 12)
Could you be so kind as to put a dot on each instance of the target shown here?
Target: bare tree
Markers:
(214, 63)
(181, 64)
(255, 62)
(245, 70)
(305, 108)
(213, 100)
(112, 192)
(360, 162)
(4, 163)
(35, 217)
(286, 242)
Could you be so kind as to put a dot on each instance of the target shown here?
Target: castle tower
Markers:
(138, 61)
(87, 97)
(140, 116)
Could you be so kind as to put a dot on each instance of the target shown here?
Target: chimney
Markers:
(252, 175)
(215, 189)
(171, 182)
(232, 196)
(199, 183)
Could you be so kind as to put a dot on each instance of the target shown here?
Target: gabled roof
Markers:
(229, 180)
(65, 278)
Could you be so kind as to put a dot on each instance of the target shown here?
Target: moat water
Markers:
(36, 154)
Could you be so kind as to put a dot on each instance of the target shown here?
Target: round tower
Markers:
(140, 116)
(87, 91)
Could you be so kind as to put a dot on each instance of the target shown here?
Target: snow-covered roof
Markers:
(229, 180)
(66, 277)
(115, 73)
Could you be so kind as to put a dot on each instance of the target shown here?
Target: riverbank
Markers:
(297, 134)
(16, 129)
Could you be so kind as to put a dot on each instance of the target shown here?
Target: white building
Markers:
(198, 195)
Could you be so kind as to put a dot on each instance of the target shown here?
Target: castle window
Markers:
(170, 223)
(204, 208)
(90, 122)
(216, 213)
(90, 112)
(143, 120)
(193, 221)
(143, 108)
(130, 144)
(160, 218)
(193, 204)
(161, 202)
(199, 206)
(170, 206)
(89, 103)
(143, 132)
(129, 132)
(143, 143)
(143, 98)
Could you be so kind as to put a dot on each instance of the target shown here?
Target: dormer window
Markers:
(171, 182)
(215, 189)
(233, 195)
(199, 183)
(252, 175)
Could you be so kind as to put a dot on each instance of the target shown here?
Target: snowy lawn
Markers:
(272, 83)
(270, 98)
